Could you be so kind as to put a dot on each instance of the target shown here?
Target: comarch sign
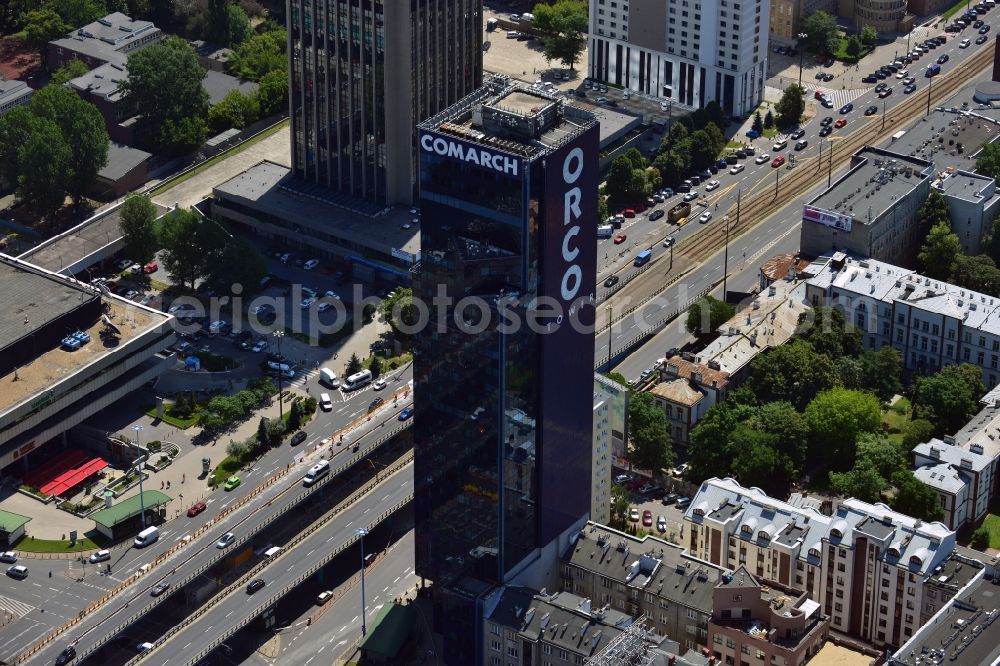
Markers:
(478, 156)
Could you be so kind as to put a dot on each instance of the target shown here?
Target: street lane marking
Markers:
(15, 607)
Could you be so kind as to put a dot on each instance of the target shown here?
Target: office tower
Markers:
(363, 73)
(502, 439)
(686, 51)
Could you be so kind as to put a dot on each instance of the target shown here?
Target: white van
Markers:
(328, 377)
(605, 231)
(325, 402)
(357, 380)
(316, 472)
(272, 552)
(146, 537)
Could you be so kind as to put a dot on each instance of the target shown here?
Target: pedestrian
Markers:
(184, 476)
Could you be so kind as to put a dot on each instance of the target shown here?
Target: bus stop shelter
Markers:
(123, 519)
(11, 528)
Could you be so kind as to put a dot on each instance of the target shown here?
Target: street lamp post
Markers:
(883, 114)
(802, 51)
(611, 323)
(281, 405)
(829, 174)
(362, 533)
(930, 82)
(142, 504)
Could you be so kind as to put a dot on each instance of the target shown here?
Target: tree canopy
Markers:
(949, 397)
(823, 33)
(260, 54)
(793, 372)
(138, 227)
(836, 418)
(235, 110)
(940, 252)
(42, 26)
(791, 106)
(988, 162)
(564, 24)
(707, 314)
(649, 434)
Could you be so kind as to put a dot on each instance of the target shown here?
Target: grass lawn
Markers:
(956, 8)
(30, 545)
(992, 524)
(391, 363)
(183, 424)
(770, 132)
(841, 52)
(221, 156)
(229, 466)
(895, 419)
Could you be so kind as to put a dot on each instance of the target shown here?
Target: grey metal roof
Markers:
(103, 81)
(32, 299)
(107, 38)
(12, 90)
(218, 85)
(121, 160)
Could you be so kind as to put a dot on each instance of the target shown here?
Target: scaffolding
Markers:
(629, 648)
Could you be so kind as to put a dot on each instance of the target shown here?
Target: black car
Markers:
(977, 24)
(801, 145)
(300, 436)
(847, 108)
(828, 62)
(881, 75)
(720, 164)
(732, 158)
(892, 68)
(981, 39)
(741, 153)
(871, 110)
(943, 58)
(611, 281)
(704, 173)
(159, 589)
(870, 79)
(66, 656)
(910, 88)
(255, 585)
(656, 214)
(486, 46)
(826, 121)
(797, 134)
(375, 404)
(669, 499)
(696, 180)
(882, 86)
(826, 131)
(985, 29)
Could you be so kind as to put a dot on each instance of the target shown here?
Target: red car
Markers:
(777, 161)
(151, 267)
(619, 239)
(647, 518)
(628, 212)
(840, 123)
(196, 509)
(818, 94)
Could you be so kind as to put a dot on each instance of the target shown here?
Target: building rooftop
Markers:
(107, 38)
(876, 180)
(218, 85)
(678, 366)
(34, 298)
(512, 117)
(781, 266)
(964, 185)
(12, 89)
(103, 81)
(272, 188)
(121, 160)
(942, 476)
(678, 391)
(937, 139)
(958, 456)
(651, 564)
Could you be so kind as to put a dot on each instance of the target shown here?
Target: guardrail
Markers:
(243, 580)
(47, 638)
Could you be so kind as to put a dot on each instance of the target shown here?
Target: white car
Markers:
(379, 384)
(779, 145)
(324, 306)
(633, 515)
(763, 157)
(691, 196)
(311, 264)
(332, 294)
(737, 168)
(100, 556)
(711, 185)
(306, 302)
(964, 44)
(664, 106)
(602, 100)
(260, 346)
(181, 307)
(10, 557)
(227, 539)
(705, 217)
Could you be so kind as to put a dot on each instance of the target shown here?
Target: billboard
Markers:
(828, 218)
(568, 247)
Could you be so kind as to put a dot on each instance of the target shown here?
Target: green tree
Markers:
(709, 453)
(78, 13)
(649, 434)
(949, 397)
(869, 36)
(885, 455)
(15, 129)
(862, 481)
(932, 212)
(217, 22)
(82, 128)
(70, 71)
(272, 93)
(703, 151)
(836, 418)
(708, 314)
(914, 497)
(853, 47)
(793, 372)
(295, 416)
(988, 161)
(626, 183)
(235, 110)
(138, 227)
(717, 138)
(260, 54)
(829, 333)
(978, 272)
(262, 437)
(45, 167)
(235, 262)
(758, 462)
(980, 539)
(165, 86)
(992, 242)
(182, 255)
(400, 312)
(791, 106)
(824, 35)
(916, 432)
(789, 429)
(939, 252)
(758, 123)
(881, 373)
(375, 366)
(768, 119)
(42, 26)
(353, 365)
(564, 24)
(238, 26)
(619, 507)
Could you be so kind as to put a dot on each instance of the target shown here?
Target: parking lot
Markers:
(661, 502)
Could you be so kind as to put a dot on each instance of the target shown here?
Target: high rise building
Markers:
(686, 51)
(363, 74)
(504, 370)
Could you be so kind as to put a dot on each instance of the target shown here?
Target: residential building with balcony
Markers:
(687, 390)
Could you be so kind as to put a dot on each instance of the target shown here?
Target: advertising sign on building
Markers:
(827, 218)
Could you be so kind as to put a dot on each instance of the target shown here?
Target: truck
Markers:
(679, 211)
(491, 24)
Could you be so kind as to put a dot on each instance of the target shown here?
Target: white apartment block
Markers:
(686, 51)
(866, 565)
(930, 323)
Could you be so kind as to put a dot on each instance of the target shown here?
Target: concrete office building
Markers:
(47, 387)
(883, 15)
(686, 51)
(867, 566)
(930, 323)
(108, 39)
(870, 211)
(13, 93)
(363, 75)
(502, 458)
(610, 417)
(972, 205)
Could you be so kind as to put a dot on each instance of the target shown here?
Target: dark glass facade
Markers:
(362, 74)
(503, 428)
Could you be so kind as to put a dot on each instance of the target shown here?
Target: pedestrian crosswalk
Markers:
(839, 97)
(302, 376)
(14, 607)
